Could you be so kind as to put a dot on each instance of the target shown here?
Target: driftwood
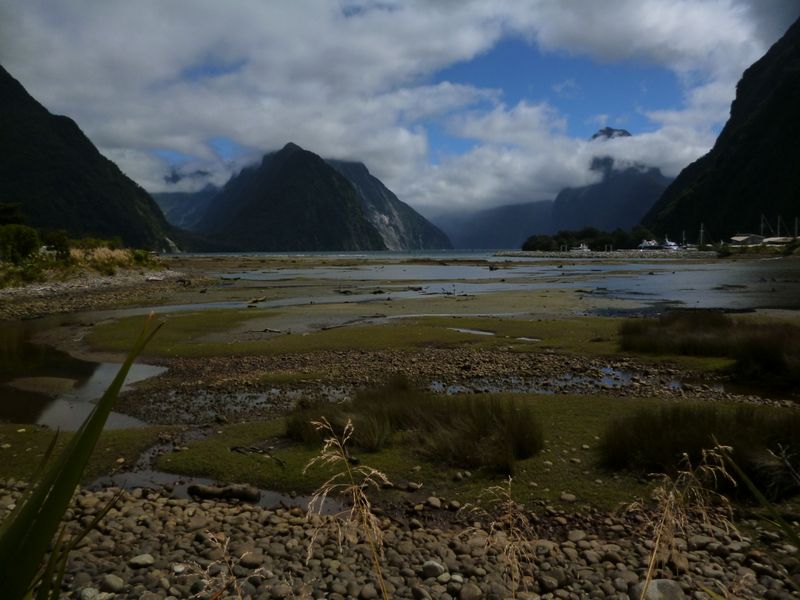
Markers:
(244, 493)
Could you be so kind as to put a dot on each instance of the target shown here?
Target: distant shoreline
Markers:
(624, 254)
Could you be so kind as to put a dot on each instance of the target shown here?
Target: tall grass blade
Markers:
(25, 538)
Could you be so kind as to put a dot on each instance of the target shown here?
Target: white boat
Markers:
(669, 245)
(649, 245)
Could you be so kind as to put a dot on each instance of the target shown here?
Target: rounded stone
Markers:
(112, 583)
(470, 591)
(141, 561)
(431, 568)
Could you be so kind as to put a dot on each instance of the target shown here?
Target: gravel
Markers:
(145, 549)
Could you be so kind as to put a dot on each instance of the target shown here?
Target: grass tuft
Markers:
(762, 351)
(655, 440)
(484, 431)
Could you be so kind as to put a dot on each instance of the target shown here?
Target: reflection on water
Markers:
(39, 384)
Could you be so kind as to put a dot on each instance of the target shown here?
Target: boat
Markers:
(669, 245)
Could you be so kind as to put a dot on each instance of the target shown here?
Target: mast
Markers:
(701, 235)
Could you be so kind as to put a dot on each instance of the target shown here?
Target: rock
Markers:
(88, 593)
(659, 589)
(576, 535)
(434, 502)
(547, 583)
(420, 593)
(567, 497)
(251, 560)
(141, 561)
(280, 591)
(431, 568)
(368, 592)
(470, 591)
(112, 583)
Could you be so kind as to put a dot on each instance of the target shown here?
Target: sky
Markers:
(455, 105)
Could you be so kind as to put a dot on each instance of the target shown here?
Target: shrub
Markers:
(18, 242)
(475, 431)
(762, 351)
(57, 241)
(655, 440)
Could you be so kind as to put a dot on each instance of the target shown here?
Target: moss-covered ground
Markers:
(568, 463)
(22, 448)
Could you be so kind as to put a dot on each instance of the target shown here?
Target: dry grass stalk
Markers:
(510, 531)
(350, 483)
(684, 503)
(219, 575)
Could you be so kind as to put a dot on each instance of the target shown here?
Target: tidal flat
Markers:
(249, 341)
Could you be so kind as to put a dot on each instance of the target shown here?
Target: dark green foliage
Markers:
(471, 431)
(18, 242)
(293, 200)
(57, 241)
(752, 168)
(655, 440)
(11, 213)
(593, 238)
(766, 352)
(62, 182)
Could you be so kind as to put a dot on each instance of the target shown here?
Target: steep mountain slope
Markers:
(61, 180)
(293, 200)
(400, 226)
(620, 199)
(501, 227)
(185, 209)
(753, 167)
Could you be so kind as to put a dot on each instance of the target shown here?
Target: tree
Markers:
(18, 242)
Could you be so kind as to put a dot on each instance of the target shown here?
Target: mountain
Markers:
(619, 200)
(292, 200)
(501, 227)
(753, 167)
(60, 179)
(609, 133)
(185, 209)
(400, 226)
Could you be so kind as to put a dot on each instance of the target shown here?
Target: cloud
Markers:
(355, 79)
(568, 88)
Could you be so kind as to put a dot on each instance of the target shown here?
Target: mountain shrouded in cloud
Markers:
(293, 200)
(619, 200)
(313, 193)
(61, 180)
(752, 170)
(451, 104)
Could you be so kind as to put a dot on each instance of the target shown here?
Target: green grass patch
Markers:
(23, 446)
(568, 423)
(202, 333)
(764, 441)
(184, 333)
